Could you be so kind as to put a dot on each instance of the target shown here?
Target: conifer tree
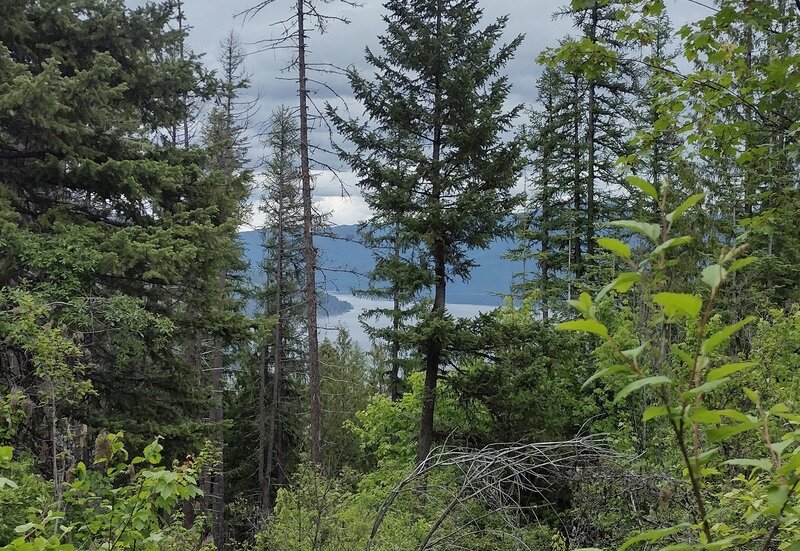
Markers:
(123, 232)
(430, 155)
(282, 298)
(547, 228)
(307, 17)
(226, 143)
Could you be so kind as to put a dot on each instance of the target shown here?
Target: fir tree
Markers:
(430, 157)
(127, 234)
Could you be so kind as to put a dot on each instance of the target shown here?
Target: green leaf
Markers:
(616, 246)
(622, 284)
(686, 205)
(724, 334)
(753, 395)
(670, 243)
(152, 452)
(653, 535)
(679, 304)
(583, 304)
(619, 368)
(6, 482)
(705, 416)
(644, 185)
(778, 409)
(714, 275)
(705, 457)
(684, 356)
(741, 263)
(650, 231)
(726, 431)
(641, 383)
(589, 326)
(6, 454)
(634, 353)
(728, 369)
(654, 411)
(22, 528)
(706, 387)
(763, 464)
(780, 447)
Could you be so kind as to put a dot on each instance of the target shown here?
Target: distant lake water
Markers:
(329, 325)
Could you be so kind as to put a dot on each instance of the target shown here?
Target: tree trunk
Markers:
(394, 374)
(576, 180)
(274, 414)
(310, 253)
(262, 426)
(434, 345)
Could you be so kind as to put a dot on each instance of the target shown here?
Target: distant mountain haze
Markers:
(345, 264)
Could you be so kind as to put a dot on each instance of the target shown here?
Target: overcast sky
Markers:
(343, 45)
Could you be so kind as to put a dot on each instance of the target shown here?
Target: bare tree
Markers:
(497, 476)
(294, 36)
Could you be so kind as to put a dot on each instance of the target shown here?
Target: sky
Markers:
(343, 46)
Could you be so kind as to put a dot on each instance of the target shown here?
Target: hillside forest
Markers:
(637, 389)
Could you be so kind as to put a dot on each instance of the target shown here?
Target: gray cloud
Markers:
(343, 46)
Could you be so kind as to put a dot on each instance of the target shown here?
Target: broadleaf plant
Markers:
(677, 369)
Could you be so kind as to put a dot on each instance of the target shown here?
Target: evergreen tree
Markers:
(282, 298)
(126, 235)
(398, 277)
(431, 157)
(225, 141)
(547, 229)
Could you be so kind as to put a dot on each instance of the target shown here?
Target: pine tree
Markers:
(430, 156)
(397, 276)
(226, 143)
(547, 228)
(605, 86)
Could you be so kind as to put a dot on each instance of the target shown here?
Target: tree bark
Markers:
(576, 179)
(394, 374)
(590, 139)
(262, 426)
(274, 414)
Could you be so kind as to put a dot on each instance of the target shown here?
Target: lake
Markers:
(329, 325)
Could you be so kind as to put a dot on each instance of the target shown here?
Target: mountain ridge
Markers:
(345, 264)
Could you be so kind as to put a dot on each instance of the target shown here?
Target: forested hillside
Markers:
(163, 385)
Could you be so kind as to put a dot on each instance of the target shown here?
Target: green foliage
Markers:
(754, 508)
(524, 375)
(116, 503)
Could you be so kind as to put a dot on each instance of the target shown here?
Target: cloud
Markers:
(343, 46)
(335, 195)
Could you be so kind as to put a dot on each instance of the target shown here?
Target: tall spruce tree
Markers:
(546, 232)
(225, 141)
(605, 88)
(431, 155)
(125, 233)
